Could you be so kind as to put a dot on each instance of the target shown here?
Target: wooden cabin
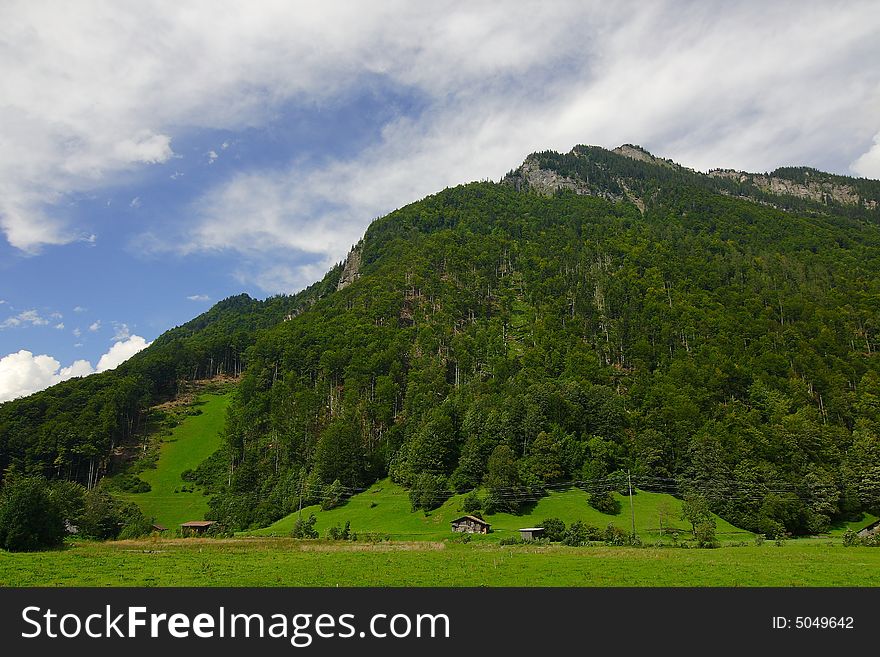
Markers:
(471, 525)
(196, 527)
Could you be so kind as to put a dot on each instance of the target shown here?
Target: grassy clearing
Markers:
(385, 508)
(190, 443)
(287, 562)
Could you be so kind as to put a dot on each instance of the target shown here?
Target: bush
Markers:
(604, 503)
(337, 533)
(129, 483)
(759, 540)
(136, 527)
(30, 519)
(705, 534)
(554, 529)
(577, 534)
(471, 502)
(851, 538)
(615, 536)
(101, 517)
(305, 528)
(511, 540)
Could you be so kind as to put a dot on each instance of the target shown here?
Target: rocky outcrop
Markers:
(639, 153)
(547, 182)
(819, 191)
(351, 269)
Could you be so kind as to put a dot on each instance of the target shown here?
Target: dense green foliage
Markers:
(511, 340)
(70, 430)
(709, 343)
(30, 519)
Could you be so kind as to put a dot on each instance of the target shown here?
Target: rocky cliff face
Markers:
(820, 191)
(530, 176)
(351, 270)
(602, 178)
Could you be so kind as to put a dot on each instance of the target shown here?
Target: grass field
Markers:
(385, 508)
(288, 562)
(190, 443)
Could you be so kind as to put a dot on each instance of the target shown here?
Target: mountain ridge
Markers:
(595, 312)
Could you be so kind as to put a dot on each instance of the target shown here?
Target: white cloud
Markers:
(31, 317)
(79, 309)
(709, 84)
(121, 331)
(212, 155)
(23, 373)
(77, 332)
(868, 164)
(135, 202)
(120, 352)
(60, 326)
(199, 297)
(95, 326)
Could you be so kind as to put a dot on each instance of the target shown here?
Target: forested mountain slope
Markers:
(594, 312)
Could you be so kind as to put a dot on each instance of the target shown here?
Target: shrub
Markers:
(29, 518)
(511, 540)
(759, 540)
(471, 502)
(615, 536)
(850, 538)
(604, 503)
(705, 534)
(337, 533)
(577, 534)
(129, 483)
(136, 527)
(554, 529)
(305, 528)
(101, 517)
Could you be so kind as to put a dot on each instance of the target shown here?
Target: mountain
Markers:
(594, 313)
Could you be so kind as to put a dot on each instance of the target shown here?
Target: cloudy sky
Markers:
(156, 157)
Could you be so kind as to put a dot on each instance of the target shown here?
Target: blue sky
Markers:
(156, 159)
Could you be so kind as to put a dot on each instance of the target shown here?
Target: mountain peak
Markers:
(631, 173)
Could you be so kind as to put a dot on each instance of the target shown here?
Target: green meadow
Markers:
(384, 508)
(290, 562)
(190, 443)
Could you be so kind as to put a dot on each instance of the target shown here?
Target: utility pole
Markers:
(632, 511)
(300, 499)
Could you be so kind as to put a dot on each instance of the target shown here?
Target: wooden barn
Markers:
(196, 526)
(471, 525)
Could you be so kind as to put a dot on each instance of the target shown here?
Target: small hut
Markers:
(470, 525)
(156, 527)
(196, 526)
(531, 533)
